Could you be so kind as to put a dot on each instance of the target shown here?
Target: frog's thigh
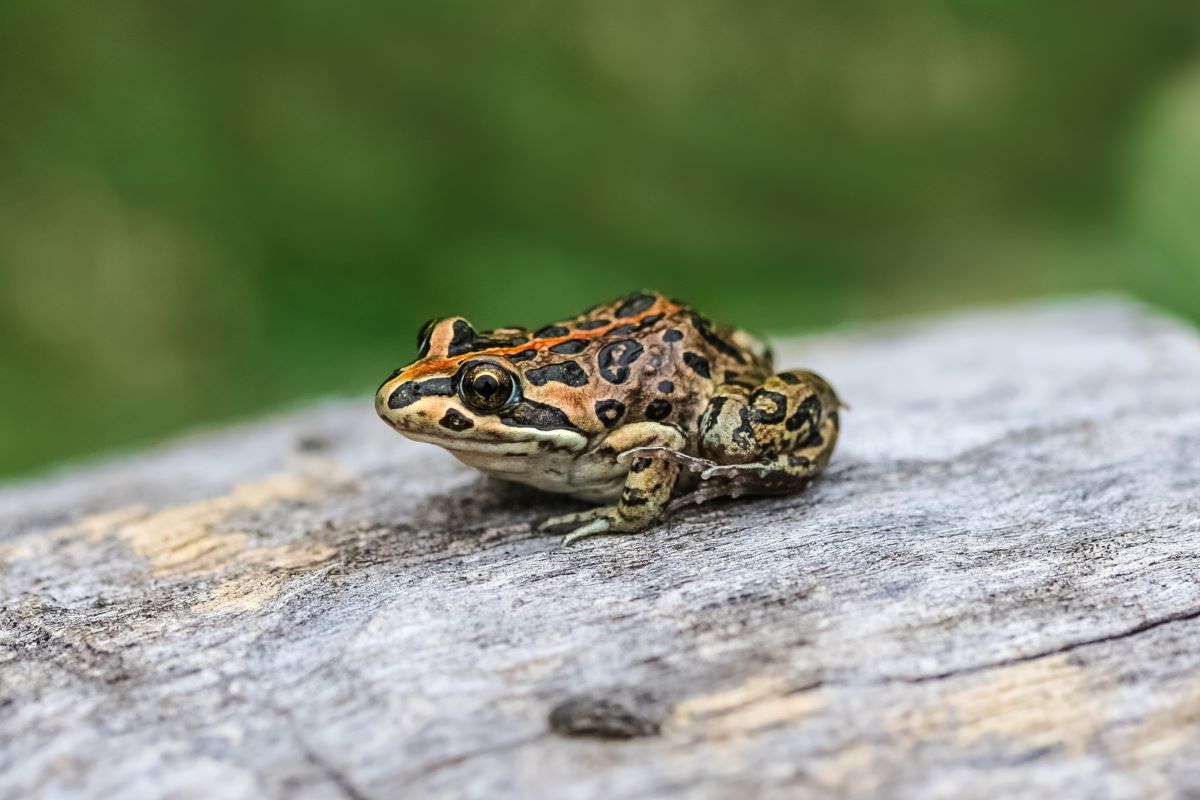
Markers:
(648, 485)
(773, 436)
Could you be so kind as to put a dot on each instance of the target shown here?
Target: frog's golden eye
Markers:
(486, 387)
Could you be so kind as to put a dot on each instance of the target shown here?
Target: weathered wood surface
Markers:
(994, 592)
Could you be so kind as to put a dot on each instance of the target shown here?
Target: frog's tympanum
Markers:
(630, 404)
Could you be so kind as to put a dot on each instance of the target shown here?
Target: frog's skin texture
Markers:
(630, 404)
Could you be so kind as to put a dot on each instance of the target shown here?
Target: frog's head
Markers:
(469, 393)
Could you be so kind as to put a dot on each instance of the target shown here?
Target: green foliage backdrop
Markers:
(212, 209)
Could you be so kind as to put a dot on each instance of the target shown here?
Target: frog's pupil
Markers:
(486, 386)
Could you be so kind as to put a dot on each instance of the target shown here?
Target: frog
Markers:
(638, 406)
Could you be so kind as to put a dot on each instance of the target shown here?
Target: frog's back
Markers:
(732, 353)
(646, 357)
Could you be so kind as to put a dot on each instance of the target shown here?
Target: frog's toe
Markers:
(608, 521)
(600, 525)
(653, 451)
(569, 520)
(735, 470)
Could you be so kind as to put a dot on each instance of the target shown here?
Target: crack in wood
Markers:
(1150, 625)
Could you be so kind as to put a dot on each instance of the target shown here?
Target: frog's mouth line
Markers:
(533, 442)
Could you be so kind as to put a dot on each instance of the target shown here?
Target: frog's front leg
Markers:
(769, 438)
(648, 484)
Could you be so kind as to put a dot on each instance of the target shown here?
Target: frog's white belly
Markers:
(589, 477)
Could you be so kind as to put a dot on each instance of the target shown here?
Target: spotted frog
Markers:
(640, 405)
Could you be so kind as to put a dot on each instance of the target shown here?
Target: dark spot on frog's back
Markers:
(524, 355)
(409, 392)
(614, 359)
(658, 410)
(593, 324)
(704, 328)
(570, 347)
(666, 387)
(698, 364)
(635, 304)
(609, 412)
(567, 372)
(672, 335)
(528, 414)
(455, 421)
(551, 332)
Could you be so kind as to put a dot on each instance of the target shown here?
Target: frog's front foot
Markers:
(590, 523)
(576, 518)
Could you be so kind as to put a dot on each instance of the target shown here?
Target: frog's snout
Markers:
(389, 402)
(381, 397)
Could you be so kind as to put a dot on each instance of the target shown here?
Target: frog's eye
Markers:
(423, 336)
(486, 387)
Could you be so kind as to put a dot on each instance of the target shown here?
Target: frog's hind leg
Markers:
(769, 438)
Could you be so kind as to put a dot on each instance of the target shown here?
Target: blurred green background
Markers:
(212, 209)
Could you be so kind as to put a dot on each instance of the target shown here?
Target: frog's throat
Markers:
(450, 365)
